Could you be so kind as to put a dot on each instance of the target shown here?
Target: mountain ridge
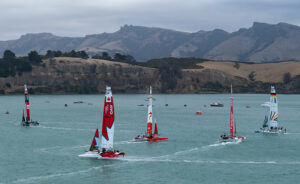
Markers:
(261, 42)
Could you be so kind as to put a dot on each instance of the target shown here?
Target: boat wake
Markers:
(37, 179)
(205, 148)
(217, 144)
(228, 162)
(128, 142)
(63, 128)
(61, 149)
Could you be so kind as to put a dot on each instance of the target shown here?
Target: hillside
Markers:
(74, 75)
(260, 43)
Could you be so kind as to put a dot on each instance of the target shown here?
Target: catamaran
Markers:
(27, 121)
(152, 137)
(270, 124)
(106, 148)
(232, 137)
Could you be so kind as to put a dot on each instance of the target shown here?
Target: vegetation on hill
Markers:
(182, 63)
(77, 54)
(10, 65)
(183, 75)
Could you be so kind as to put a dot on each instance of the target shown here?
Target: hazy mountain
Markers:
(259, 43)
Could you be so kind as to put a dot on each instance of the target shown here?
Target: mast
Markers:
(108, 121)
(149, 118)
(27, 103)
(273, 117)
(231, 112)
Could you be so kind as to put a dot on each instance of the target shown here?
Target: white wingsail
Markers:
(273, 115)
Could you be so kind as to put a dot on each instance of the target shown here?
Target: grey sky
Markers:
(82, 17)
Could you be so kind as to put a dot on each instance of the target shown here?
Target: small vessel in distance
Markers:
(198, 112)
(232, 137)
(27, 121)
(107, 139)
(216, 104)
(149, 136)
(270, 124)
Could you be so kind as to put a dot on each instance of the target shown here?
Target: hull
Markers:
(141, 139)
(272, 131)
(28, 123)
(198, 112)
(89, 154)
(153, 139)
(216, 105)
(231, 138)
(158, 139)
(111, 154)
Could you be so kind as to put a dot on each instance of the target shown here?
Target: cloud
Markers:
(78, 18)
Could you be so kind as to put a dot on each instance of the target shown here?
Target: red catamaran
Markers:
(27, 121)
(106, 148)
(232, 137)
(149, 136)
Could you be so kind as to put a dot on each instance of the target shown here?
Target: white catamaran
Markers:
(270, 124)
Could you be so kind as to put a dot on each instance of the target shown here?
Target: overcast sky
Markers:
(82, 17)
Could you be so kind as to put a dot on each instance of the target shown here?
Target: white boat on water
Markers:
(270, 125)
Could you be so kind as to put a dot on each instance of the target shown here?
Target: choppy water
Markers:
(48, 153)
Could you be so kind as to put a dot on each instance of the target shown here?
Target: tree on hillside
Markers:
(124, 58)
(53, 53)
(34, 57)
(287, 78)
(169, 75)
(8, 55)
(104, 56)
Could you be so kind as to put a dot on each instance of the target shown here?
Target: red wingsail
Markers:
(108, 115)
(94, 145)
(231, 114)
(27, 103)
(155, 130)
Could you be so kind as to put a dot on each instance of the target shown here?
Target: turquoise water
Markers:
(48, 153)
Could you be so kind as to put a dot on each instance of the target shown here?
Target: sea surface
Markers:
(48, 153)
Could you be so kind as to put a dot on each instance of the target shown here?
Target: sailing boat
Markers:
(149, 136)
(27, 121)
(270, 124)
(232, 137)
(106, 148)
